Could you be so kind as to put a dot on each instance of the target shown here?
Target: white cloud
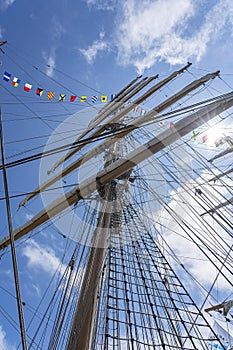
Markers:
(50, 62)
(57, 29)
(4, 345)
(107, 5)
(151, 31)
(173, 31)
(37, 289)
(4, 4)
(91, 52)
(42, 258)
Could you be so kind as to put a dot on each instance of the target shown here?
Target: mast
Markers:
(83, 321)
(226, 306)
(128, 93)
(3, 43)
(160, 282)
(120, 114)
(164, 139)
(152, 114)
(11, 239)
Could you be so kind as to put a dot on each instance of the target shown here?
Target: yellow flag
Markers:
(83, 98)
(103, 98)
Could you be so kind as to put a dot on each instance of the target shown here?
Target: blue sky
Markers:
(92, 47)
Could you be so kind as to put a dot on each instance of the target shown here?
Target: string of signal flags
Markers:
(7, 77)
(51, 94)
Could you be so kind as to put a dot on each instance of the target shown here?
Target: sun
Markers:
(215, 136)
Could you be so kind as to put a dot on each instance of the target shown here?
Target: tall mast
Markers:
(158, 109)
(116, 106)
(164, 139)
(12, 244)
(106, 182)
(83, 322)
(128, 93)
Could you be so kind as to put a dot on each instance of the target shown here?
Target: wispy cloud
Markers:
(42, 258)
(108, 5)
(4, 345)
(50, 61)
(57, 29)
(37, 289)
(151, 31)
(4, 4)
(91, 52)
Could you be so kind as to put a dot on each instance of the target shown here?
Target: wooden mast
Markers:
(128, 93)
(12, 243)
(116, 106)
(152, 114)
(83, 323)
(164, 139)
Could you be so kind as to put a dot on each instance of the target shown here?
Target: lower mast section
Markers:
(84, 319)
(83, 323)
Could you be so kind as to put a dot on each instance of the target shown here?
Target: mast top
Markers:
(3, 42)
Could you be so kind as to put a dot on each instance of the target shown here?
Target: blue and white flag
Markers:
(94, 99)
(6, 76)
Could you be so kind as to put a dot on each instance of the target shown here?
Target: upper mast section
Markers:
(2, 43)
